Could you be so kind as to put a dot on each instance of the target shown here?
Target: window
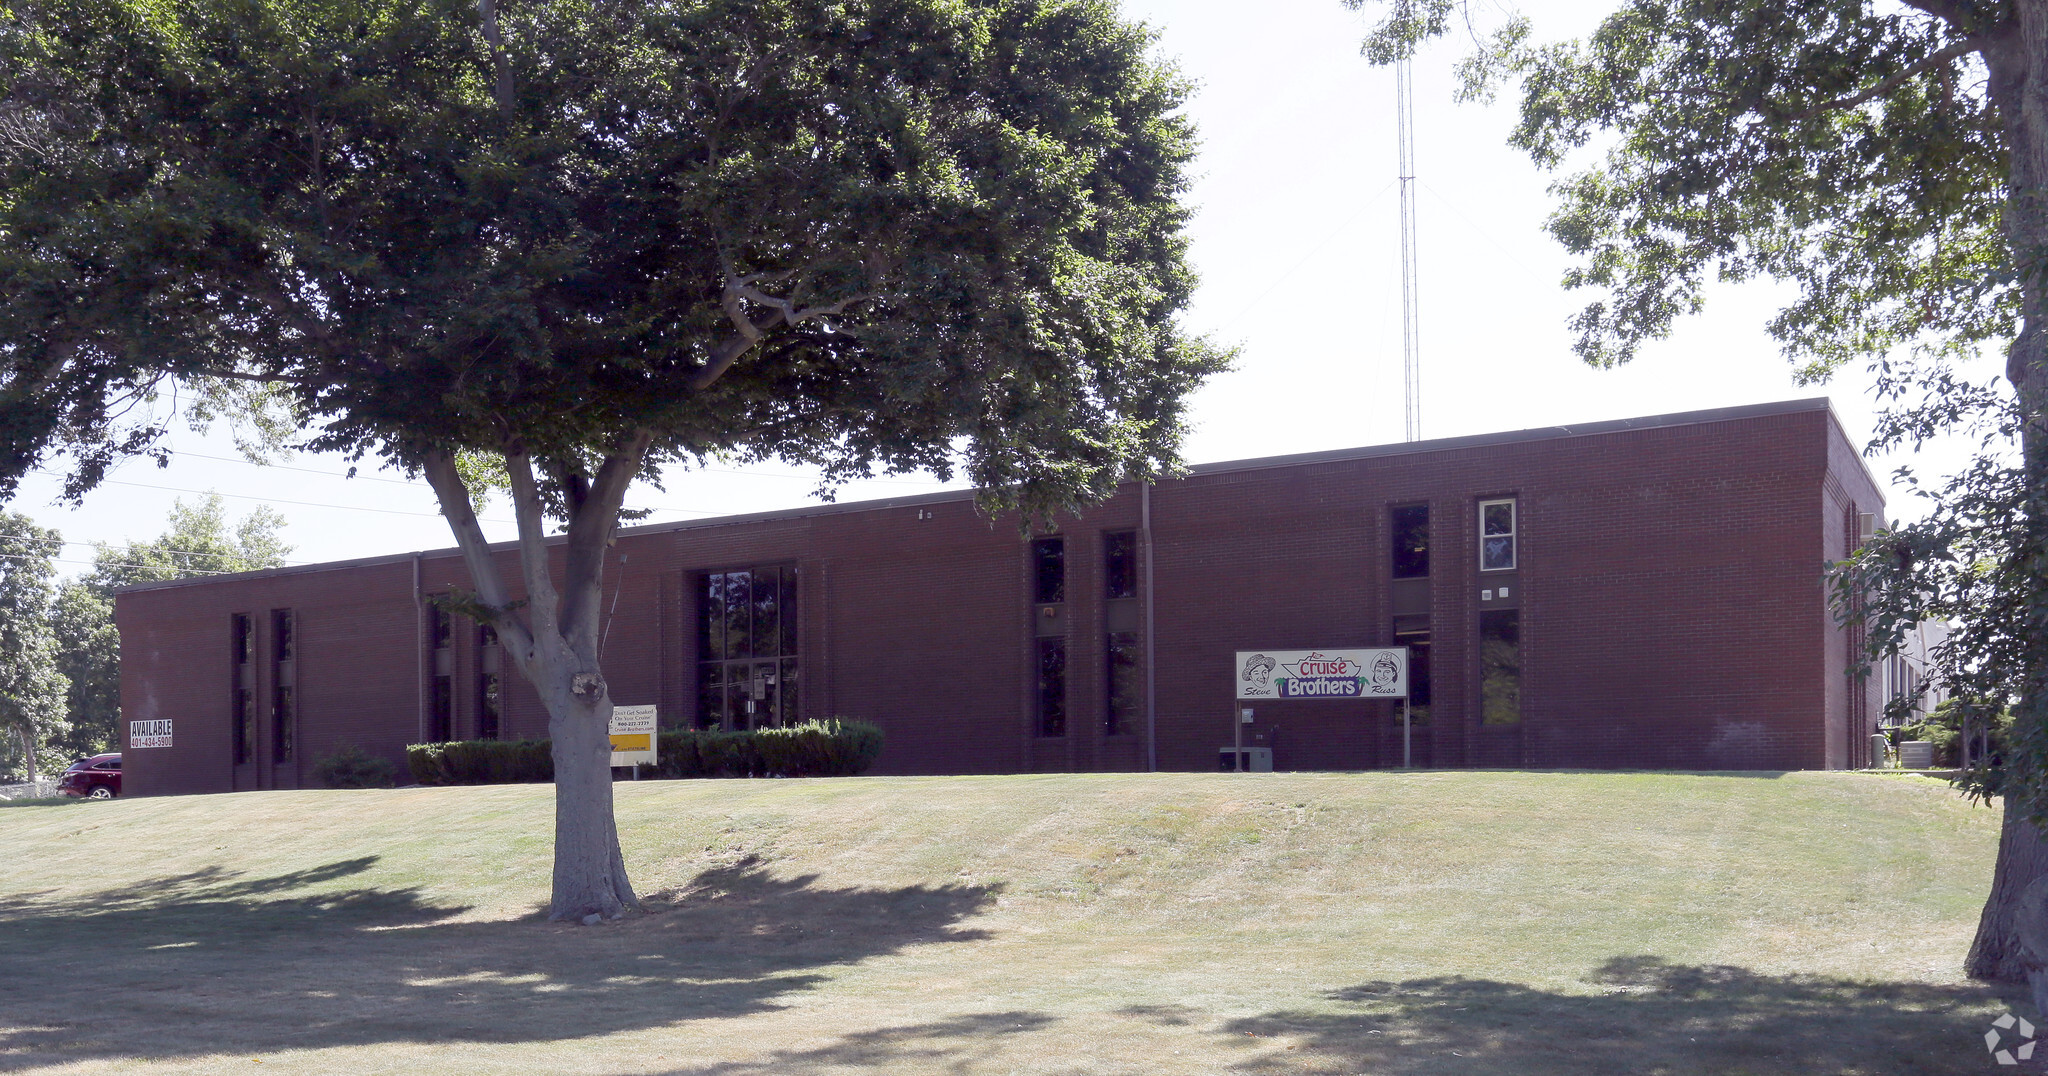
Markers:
(1496, 535)
(243, 729)
(1411, 541)
(441, 624)
(284, 706)
(1500, 666)
(1049, 571)
(284, 709)
(1126, 693)
(1413, 633)
(1120, 565)
(1052, 687)
(487, 706)
(242, 629)
(747, 666)
(489, 700)
(441, 717)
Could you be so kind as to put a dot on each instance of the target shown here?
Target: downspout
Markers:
(1151, 635)
(419, 655)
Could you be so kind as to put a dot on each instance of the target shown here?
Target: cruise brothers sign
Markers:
(1323, 674)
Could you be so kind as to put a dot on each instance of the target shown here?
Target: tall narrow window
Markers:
(243, 630)
(1123, 652)
(1049, 571)
(441, 700)
(284, 708)
(1413, 633)
(1120, 565)
(441, 717)
(489, 704)
(442, 625)
(1496, 535)
(1500, 666)
(1411, 541)
(747, 664)
(1126, 698)
(1052, 687)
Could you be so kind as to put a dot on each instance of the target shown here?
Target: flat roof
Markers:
(1300, 459)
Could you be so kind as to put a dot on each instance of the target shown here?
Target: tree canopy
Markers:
(590, 239)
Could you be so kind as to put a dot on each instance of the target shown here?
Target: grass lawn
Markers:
(1260, 923)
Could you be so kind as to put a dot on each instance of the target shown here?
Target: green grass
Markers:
(1340, 923)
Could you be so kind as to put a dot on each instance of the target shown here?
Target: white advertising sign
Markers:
(1322, 674)
(632, 735)
(149, 734)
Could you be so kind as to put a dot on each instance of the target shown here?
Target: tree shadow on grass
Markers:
(949, 1045)
(214, 962)
(1650, 1017)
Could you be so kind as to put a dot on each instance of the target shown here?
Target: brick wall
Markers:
(1669, 580)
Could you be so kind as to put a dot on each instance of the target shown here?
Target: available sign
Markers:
(1323, 674)
(632, 735)
(149, 734)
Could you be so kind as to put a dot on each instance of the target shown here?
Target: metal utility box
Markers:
(1244, 759)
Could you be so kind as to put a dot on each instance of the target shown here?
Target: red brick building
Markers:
(1647, 593)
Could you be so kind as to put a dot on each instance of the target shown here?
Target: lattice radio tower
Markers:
(1411, 316)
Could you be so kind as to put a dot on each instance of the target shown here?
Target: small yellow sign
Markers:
(638, 741)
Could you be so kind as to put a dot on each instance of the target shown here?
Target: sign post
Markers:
(1380, 673)
(633, 736)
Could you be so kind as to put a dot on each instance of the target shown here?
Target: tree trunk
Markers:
(1997, 954)
(590, 872)
(28, 749)
(555, 646)
(2018, 63)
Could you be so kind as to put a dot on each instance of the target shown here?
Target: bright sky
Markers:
(1297, 244)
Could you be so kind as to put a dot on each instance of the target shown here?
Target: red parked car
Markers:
(98, 777)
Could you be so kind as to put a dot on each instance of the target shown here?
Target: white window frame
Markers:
(1513, 535)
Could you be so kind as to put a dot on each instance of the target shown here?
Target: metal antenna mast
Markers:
(1411, 317)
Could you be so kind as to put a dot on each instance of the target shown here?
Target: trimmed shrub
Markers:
(834, 748)
(481, 762)
(350, 766)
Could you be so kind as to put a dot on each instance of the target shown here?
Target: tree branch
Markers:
(500, 64)
(1936, 59)
(453, 493)
(739, 291)
(541, 596)
(590, 531)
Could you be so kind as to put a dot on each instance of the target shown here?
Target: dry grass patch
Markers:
(1384, 922)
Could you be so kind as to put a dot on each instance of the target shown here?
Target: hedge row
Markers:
(813, 749)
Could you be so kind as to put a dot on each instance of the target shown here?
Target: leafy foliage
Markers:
(32, 687)
(920, 222)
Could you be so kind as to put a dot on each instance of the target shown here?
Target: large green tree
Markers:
(1891, 161)
(199, 541)
(585, 240)
(32, 688)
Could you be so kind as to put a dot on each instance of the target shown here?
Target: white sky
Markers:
(1296, 241)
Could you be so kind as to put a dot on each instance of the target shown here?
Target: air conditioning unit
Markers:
(1244, 759)
(1866, 526)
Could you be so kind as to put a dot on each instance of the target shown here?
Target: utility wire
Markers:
(96, 545)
